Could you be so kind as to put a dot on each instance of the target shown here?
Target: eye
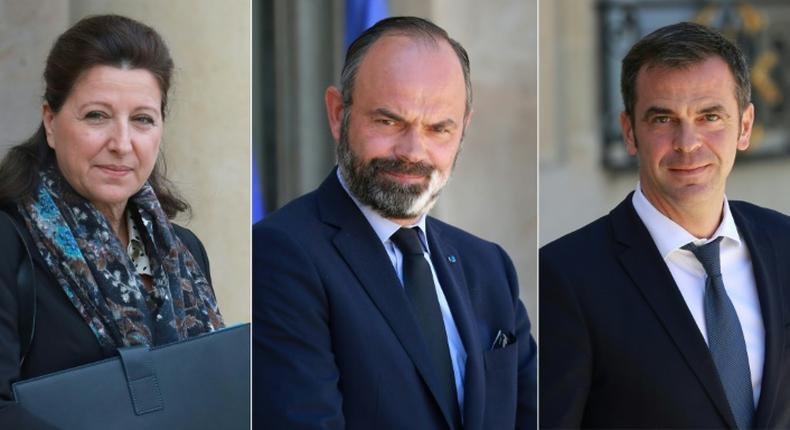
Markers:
(711, 117)
(440, 129)
(144, 119)
(385, 121)
(661, 119)
(96, 115)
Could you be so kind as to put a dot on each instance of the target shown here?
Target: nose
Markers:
(687, 139)
(411, 145)
(120, 139)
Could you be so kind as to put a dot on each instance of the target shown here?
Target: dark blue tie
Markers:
(419, 286)
(725, 336)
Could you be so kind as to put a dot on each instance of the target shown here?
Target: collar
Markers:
(383, 227)
(670, 236)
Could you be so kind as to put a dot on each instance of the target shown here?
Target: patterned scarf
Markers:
(96, 273)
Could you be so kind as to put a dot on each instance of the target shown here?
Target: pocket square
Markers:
(502, 339)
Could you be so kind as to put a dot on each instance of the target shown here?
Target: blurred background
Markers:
(584, 169)
(298, 50)
(207, 133)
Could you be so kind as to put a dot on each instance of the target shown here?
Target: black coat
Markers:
(618, 345)
(61, 338)
(336, 345)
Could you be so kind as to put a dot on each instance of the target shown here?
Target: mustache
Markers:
(394, 165)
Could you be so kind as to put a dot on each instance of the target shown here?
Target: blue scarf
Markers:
(92, 266)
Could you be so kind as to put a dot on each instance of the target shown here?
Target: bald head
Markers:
(417, 29)
(404, 74)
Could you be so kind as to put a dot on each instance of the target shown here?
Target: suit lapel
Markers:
(764, 265)
(362, 250)
(642, 261)
(449, 269)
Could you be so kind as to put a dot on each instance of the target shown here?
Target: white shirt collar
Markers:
(670, 236)
(383, 227)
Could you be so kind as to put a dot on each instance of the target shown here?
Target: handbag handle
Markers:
(26, 295)
(138, 367)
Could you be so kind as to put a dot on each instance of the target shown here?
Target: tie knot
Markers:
(708, 255)
(408, 240)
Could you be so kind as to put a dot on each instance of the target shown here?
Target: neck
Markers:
(116, 217)
(700, 219)
(404, 221)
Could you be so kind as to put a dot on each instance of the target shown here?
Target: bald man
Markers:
(369, 314)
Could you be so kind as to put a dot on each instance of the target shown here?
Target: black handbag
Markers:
(198, 383)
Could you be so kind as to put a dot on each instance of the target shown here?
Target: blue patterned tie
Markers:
(725, 336)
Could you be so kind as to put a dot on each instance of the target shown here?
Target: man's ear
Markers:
(628, 133)
(747, 124)
(333, 99)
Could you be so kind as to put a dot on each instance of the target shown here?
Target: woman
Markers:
(87, 202)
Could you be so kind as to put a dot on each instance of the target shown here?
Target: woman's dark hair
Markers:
(105, 40)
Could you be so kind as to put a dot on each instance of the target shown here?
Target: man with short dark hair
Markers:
(368, 314)
(670, 312)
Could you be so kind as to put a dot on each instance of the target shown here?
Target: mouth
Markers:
(405, 177)
(115, 170)
(688, 170)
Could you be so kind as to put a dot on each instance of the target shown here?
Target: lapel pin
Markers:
(452, 259)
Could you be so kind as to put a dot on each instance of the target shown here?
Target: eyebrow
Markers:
(388, 113)
(656, 110)
(446, 123)
(714, 109)
(93, 102)
(109, 106)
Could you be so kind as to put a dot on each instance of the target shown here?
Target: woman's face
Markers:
(106, 135)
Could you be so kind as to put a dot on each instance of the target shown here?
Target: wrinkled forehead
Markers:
(404, 66)
(405, 51)
(669, 65)
(113, 81)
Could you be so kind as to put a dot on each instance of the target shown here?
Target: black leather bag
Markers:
(199, 383)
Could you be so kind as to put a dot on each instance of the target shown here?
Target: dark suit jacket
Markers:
(619, 347)
(335, 345)
(61, 338)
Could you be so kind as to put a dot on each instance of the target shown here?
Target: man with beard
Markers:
(672, 311)
(368, 314)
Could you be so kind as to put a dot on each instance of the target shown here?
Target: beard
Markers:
(370, 184)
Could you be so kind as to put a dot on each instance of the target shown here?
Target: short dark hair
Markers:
(104, 40)
(678, 46)
(401, 25)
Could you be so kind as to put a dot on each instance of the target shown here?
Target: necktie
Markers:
(421, 291)
(725, 336)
